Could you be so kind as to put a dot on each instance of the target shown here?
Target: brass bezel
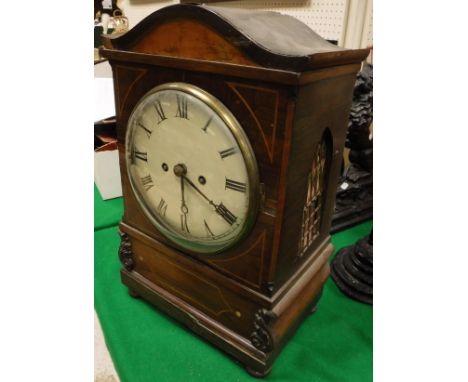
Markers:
(249, 159)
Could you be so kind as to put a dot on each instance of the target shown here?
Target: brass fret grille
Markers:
(312, 212)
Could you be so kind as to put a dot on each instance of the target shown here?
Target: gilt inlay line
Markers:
(270, 146)
(312, 211)
(190, 298)
(261, 238)
(122, 101)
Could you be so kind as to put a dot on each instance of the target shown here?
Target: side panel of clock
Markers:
(262, 111)
(317, 143)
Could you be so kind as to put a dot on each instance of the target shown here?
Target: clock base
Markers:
(314, 304)
(257, 374)
(272, 327)
(133, 294)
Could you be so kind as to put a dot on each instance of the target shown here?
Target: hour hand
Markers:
(180, 170)
(183, 206)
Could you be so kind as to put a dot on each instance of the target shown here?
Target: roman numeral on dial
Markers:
(139, 155)
(208, 230)
(236, 186)
(147, 182)
(207, 124)
(226, 214)
(181, 106)
(162, 207)
(159, 111)
(227, 152)
(183, 223)
(147, 131)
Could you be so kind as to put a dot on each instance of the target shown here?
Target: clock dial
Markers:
(191, 168)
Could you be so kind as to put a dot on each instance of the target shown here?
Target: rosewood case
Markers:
(291, 92)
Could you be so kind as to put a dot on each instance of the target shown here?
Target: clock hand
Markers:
(183, 206)
(219, 208)
(198, 190)
(180, 170)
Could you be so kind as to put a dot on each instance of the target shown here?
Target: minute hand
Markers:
(219, 208)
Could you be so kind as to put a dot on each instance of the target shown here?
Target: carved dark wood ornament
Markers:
(261, 337)
(125, 252)
(312, 212)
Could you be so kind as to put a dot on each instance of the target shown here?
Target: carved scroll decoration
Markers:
(125, 252)
(312, 211)
(261, 337)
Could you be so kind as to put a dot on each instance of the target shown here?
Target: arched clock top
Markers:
(234, 36)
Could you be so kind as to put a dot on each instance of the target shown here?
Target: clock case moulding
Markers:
(291, 92)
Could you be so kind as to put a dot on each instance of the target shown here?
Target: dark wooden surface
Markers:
(321, 113)
(267, 39)
(249, 299)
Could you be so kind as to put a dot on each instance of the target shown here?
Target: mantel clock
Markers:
(231, 126)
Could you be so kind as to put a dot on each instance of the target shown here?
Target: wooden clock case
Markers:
(291, 92)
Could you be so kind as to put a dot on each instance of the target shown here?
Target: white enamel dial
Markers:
(191, 167)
